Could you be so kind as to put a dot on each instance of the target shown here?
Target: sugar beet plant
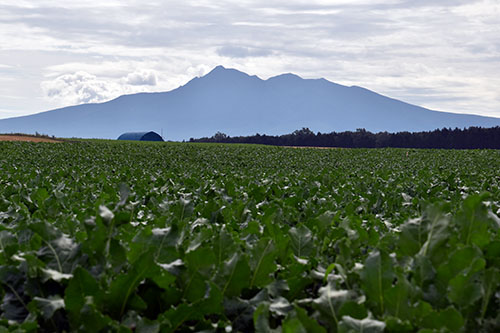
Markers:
(103, 236)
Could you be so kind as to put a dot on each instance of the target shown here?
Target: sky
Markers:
(440, 54)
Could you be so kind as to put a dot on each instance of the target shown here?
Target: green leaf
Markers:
(491, 281)
(224, 247)
(241, 311)
(48, 305)
(175, 317)
(195, 286)
(449, 318)
(79, 287)
(262, 262)
(325, 220)
(492, 253)
(423, 269)
(309, 324)
(235, 275)
(202, 235)
(8, 244)
(123, 287)
(59, 251)
(136, 303)
(201, 260)
(261, 318)
(411, 237)
(106, 214)
(329, 269)
(39, 196)
(277, 288)
(394, 324)
(122, 217)
(459, 261)
(293, 325)
(421, 309)
(397, 299)
(437, 232)
(162, 275)
(353, 309)
(301, 241)
(117, 255)
(474, 221)
(148, 326)
(211, 302)
(14, 303)
(329, 301)
(377, 276)
(47, 231)
(162, 242)
(463, 291)
(50, 274)
(124, 190)
(367, 325)
(92, 319)
(280, 306)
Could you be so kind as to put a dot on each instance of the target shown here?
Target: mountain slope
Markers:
(235, 103)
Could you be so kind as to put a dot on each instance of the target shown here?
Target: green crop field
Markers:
(107, 236)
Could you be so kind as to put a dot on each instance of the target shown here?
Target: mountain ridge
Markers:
(236, 103)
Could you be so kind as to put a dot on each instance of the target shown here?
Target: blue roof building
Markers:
(141, 136)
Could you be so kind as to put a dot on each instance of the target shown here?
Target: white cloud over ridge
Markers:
(81, 87)
(78, 88)
(142, 78)
(440, 54)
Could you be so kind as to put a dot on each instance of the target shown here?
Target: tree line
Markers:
(469, 138)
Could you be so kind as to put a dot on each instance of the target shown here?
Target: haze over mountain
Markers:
(235, 103)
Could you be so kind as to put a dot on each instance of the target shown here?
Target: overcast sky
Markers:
(440, 54)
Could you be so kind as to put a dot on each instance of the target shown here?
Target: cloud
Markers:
(142, 78)
(242, 52)
(80, 87)
(401, 48)
(83, 87)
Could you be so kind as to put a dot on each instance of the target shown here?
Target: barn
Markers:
(141, 136)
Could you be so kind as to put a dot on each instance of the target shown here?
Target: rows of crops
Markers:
(100, 236)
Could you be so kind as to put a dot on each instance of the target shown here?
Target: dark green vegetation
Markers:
(187, 238)
(469, 138)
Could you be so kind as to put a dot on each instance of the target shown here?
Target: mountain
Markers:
(235, 103)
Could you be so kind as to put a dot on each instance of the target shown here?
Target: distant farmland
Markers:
(149, 237)
(25, 137)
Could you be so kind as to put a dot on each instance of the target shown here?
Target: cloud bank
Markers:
(82, 87)
(142, 78)
(77, 88)
(441, 54)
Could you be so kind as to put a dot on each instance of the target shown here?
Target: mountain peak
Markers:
(288, 76)
(222, 73)
(222, 70)
(218, 68)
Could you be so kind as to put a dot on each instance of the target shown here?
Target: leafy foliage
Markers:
(107, 236)
(447, 138)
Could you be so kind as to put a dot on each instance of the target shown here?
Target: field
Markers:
(24, 137)
(108, 236)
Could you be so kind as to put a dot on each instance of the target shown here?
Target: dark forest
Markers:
(470, 138)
